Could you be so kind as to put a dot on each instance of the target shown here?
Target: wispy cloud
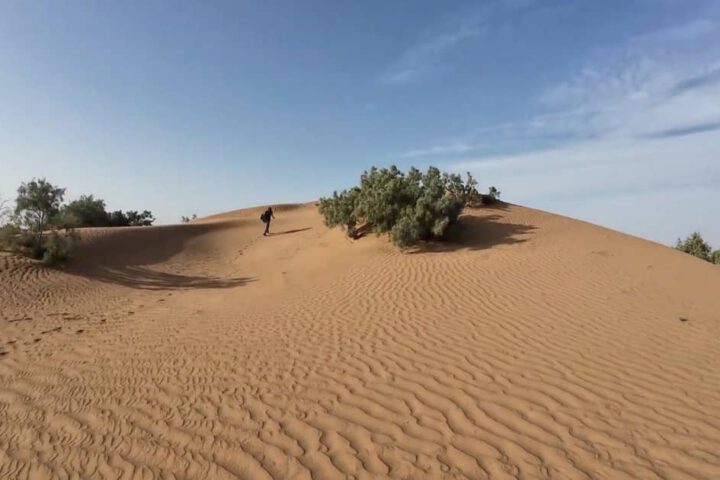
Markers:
(426, 55)
(429, 53)
(639, 122)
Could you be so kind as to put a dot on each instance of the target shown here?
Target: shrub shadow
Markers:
(479, 233)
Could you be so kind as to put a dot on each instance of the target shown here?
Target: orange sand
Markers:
(536, 347)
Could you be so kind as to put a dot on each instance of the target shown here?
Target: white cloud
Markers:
(429, 53)
(425, 55)
(641, 132)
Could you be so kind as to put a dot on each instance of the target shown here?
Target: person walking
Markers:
(266, 217)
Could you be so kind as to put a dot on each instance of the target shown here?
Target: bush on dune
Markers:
(696, 246)
(87, 211)
(41, 227)
(716, 257)
(410, 207)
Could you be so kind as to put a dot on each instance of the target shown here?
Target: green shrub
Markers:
(58, 247)
(86, 211)
(409, 207)
(135, 219)
(131, 218)
(716, 257)
(695, 245)
(340, 210)
(36, 208)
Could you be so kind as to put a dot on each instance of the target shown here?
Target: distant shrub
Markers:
(409, 207)
(695, 245)
(716, 257)
(131, 218)
(86, 211)
(118, 219)
(185, 219)
(143, 219)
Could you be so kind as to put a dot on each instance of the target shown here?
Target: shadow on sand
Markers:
(125, 256)
(288, 232)
(146, 279)
(480, 233)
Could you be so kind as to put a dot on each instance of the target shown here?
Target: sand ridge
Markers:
(536, 346)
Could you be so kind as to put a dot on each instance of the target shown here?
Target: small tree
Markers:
(494, 193)
(135, 219)
(36, 207)
(185, 219)
(695, 245)
(131, 218)
(118, 219)
(87, 211)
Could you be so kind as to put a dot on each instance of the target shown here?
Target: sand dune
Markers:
(535, 346)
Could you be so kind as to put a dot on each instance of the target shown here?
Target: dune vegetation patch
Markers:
(410, 207)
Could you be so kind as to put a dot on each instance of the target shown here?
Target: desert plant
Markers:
(87, 211)
(118, 219)
(715, 257)
(131, 218)
(185, 219)
(36, 207)
(59, 246)
(409, 207)
(135, 219)
(494, 193)
(340, 210)
(466, 191)
(695, 245)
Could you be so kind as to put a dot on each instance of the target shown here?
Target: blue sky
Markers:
(606, 111)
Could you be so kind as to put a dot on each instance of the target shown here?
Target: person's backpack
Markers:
(264, 217)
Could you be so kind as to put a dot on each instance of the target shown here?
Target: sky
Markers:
(607, 111)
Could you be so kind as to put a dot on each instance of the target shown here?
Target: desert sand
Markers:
(535, 346)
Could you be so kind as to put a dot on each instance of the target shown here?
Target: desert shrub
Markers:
(58, 246)
(36, 208)
(185, 219)
(715, 257)
(466, 191)
(87, 211)
(135, 219)
(131, 218)
(340, 210)
(118, 219)
(695, 245)
(409, 207)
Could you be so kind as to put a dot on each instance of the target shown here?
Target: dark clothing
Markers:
(268, 216)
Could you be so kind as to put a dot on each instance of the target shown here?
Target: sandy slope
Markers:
(537, 347)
